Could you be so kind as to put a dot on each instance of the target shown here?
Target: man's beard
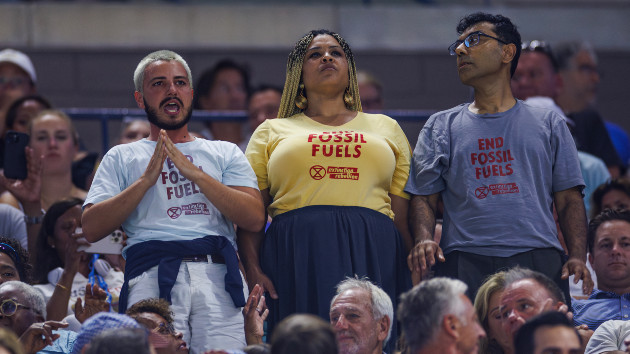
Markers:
(152, 116)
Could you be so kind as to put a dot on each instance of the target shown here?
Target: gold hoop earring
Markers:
(300, 101)
(348, 99)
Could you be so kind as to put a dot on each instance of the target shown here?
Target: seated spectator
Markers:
(98, 324)
(577, 66)
(224, 87)
(610, 337)
(134, 129)
(120, 341)
(608, 243)
(23, 311)
(370, 91)
(28, 193)
(487, 305)
(264, 103)
(156, 316)
(54, 137)
(13, 261)
(17, 79)
(529, 293)
(437, 317)
(362, 316)
(612, 195)
(305, 334)
(23, 110)
(550, 332)
(61, 270)
(10, 343)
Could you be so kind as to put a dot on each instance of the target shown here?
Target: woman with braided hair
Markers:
(332, 178)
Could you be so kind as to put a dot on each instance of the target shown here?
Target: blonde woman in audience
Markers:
(487, 304)
(55, 140)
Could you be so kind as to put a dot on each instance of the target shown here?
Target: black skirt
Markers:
(308, 251)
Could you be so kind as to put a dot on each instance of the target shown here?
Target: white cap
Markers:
(20, 59)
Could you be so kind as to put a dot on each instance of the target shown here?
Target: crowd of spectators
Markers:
(337, 268)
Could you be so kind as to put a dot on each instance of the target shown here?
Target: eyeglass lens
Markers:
(8, 307)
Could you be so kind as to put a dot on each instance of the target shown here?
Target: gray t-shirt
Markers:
(497, 174)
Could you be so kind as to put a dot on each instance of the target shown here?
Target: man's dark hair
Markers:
(524, 340)
(206, 81)
(303, 333)
(157, 306)
(518, 273)
(503, 27)
(265, 87)
(617, 184)
(604, 216)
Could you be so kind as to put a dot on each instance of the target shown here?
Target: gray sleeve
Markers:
(430, 160)
(566, 165)
(608, 337)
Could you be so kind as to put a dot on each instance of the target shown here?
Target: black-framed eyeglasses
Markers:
(470, 41)
(9, 307)
(164, 329)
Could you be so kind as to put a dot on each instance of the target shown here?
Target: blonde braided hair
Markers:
(294, 74)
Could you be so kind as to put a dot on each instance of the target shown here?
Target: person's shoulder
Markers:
(542, 109)
(440, 118)
(380, 119)
(130, 147)
(215, 146)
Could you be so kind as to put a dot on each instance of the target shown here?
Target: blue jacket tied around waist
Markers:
(167, 255)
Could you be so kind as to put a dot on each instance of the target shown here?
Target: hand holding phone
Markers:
(15, 155)
(110, 244)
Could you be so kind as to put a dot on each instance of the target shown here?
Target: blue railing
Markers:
(105, 115)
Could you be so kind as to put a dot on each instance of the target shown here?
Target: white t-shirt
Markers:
(174, 208)
(12, 224)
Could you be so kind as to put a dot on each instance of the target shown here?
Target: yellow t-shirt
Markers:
(304, 163)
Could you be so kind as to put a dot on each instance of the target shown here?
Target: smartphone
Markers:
(14, 155)
(110, 244)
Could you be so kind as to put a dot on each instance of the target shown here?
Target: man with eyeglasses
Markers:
(498, 166)
(577, 67)
(23, 311)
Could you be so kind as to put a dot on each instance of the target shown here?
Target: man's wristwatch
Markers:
(34, 220)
